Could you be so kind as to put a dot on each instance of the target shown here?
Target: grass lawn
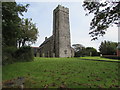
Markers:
(99, 58)
(64, 72)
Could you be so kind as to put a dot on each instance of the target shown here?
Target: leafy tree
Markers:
(12, 31)
(28, 33)
(11, 22)
(108, 48)
(90, 51)
(105, 15)
(79, 49)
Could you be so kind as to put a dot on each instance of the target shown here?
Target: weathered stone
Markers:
(59, 44)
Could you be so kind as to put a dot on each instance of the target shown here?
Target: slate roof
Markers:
(47, 40)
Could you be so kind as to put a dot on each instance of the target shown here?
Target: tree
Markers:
(11, 22)
(105, 15)
(12, 31)
(28, 33)
(108, 48)
(79, 49)
(90, 51)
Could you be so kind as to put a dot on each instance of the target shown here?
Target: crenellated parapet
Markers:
(61, 8)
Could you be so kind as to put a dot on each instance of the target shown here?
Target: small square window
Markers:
(65, 51)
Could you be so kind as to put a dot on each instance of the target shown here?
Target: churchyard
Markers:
(22, 70)
(63, 73)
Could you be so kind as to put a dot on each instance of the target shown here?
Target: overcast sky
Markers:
(42, 14)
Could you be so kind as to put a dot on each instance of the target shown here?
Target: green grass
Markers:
(99, 58)
(64, 72)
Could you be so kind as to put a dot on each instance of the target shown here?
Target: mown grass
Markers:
(99, 58)
(64, 72)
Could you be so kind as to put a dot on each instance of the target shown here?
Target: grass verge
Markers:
(64, 72)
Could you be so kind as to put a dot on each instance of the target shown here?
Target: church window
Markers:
(65, 51)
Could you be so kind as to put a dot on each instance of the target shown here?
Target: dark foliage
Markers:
(11, 33)
(105, 13)
(90, 51)
(108, 48)
(111, 57)
(12, 54)
(80, 51)
(24, 54)
(11, 22)
(8, 55)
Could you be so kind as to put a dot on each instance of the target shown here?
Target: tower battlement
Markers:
(61, 8)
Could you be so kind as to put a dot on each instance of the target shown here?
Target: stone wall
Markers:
(46, 48)
(59, 44)
(62, 32)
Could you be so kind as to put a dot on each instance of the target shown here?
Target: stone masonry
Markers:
(59, 44)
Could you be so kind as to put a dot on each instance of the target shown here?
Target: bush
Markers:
(111, 56)
(24, 54)
(8, 55)
(12, 54)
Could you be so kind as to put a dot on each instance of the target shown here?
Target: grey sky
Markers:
(42, 15)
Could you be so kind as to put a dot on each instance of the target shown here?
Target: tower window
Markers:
(65, 51)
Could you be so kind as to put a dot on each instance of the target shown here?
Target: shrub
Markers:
(12, 54)
(8, 55)
(24, 54)
(111, 56)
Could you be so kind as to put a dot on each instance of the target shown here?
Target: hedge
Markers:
(111, 56)
(24, 54)
(12, 54)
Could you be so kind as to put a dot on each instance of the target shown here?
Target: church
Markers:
(59, 44)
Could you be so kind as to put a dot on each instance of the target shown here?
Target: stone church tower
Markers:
(59, 44)
(61, 32)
